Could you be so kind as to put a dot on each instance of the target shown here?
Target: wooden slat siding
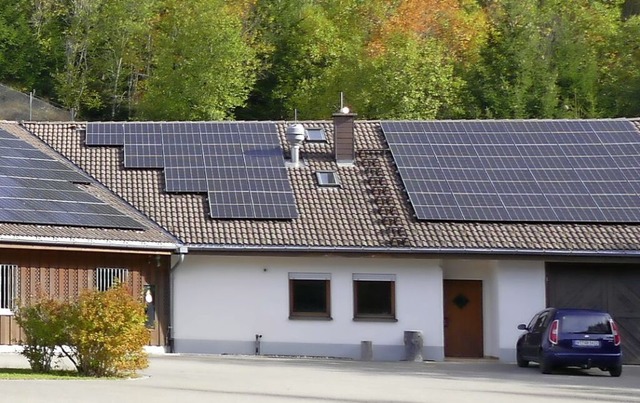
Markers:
(611, 287)
(65, 274)
(5, 324)
(343, 137)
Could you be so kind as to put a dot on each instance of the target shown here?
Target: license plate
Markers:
(586, 343)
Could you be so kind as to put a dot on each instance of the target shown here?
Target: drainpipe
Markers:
(181, 254)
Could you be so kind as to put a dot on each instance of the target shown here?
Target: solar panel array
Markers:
(519, 171)
(239, 165)
(37, 189)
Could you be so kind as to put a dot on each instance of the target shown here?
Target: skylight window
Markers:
(316, 134)
(328, 178)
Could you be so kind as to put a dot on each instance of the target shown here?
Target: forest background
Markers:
(263, 59)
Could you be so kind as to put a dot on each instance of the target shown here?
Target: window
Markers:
(8, 286)
(328, 178)
(309, 296)
(374, 297)
(316, 135)
(107, 277)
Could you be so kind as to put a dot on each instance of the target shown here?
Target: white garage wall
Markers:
(520, 291)
(221, 303)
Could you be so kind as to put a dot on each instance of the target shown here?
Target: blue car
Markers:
(570, 338)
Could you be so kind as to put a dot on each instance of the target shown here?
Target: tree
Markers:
(411, 78)
(515, 77)
(24, 61)
(202, 66)
(621, 77)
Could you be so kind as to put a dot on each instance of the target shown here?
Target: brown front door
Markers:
(463, 318)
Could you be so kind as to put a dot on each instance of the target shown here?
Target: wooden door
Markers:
(463, 318)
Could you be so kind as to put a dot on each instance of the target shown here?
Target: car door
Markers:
(534, 336)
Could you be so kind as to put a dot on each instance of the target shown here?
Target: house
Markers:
(312, 239)
(61, 233)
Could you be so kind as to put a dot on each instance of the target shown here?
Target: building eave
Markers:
(484, 252)
(8, 241)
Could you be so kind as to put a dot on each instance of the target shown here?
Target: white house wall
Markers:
(520, 290)
(222, 302)
(513, 291)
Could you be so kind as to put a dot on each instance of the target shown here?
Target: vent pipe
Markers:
(296, 134)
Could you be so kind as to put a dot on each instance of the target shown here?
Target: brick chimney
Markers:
(343, 137)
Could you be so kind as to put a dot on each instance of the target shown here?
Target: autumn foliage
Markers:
(102, 333)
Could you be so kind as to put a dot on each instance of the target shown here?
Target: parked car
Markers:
(570, 338)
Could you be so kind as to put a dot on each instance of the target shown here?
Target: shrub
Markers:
(45, 326)
(102, 333)
(109, 334)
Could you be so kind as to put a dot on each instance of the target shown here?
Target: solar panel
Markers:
(143, 145)
(37, 189)
(105, 134)
(240, 165)
(21, 159)
(519, 171)
(246, 159)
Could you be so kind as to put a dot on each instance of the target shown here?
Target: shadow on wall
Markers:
(14, 105)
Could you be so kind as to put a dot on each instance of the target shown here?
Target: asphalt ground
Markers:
(200, 378)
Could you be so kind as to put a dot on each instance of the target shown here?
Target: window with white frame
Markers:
(328, 178)
(107, 277)
(374, 296)
(316, 135)
(309, 296)
(8, 286)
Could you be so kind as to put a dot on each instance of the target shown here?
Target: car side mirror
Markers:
(522, 326)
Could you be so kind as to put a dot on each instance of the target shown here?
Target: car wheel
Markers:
(545, 365)
(616, 371)
(522, 363)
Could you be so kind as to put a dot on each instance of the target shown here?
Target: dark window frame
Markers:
(296, 314)
(380, 317)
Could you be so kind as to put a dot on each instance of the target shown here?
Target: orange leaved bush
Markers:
(102, 333)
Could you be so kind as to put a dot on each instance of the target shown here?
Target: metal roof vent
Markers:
(295, 136)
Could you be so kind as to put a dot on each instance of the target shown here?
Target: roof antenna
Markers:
(343, 109)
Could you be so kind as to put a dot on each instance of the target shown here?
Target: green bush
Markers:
(45, 326)
(102, 333)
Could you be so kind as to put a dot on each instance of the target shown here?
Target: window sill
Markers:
(6, 312)
(320, 318)
(374, 319)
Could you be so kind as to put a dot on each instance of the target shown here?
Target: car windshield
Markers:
(591, 324)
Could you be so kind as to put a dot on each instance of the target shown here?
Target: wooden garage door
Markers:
(611, 287)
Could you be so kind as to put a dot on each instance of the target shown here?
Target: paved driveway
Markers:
(192, 379)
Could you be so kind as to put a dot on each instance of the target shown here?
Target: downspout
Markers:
(181, 253)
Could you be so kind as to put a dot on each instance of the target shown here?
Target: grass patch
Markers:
(26, 373)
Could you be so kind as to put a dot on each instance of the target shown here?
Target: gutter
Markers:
(411, 251)
(182, 251)
(68, 243)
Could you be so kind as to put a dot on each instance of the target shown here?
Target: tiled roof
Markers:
(150, 238)
(369, 212)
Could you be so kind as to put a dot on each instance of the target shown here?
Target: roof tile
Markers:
(357, 215)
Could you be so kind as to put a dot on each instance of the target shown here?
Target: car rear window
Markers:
(591, 324)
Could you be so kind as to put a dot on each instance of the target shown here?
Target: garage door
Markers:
(612, 287)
